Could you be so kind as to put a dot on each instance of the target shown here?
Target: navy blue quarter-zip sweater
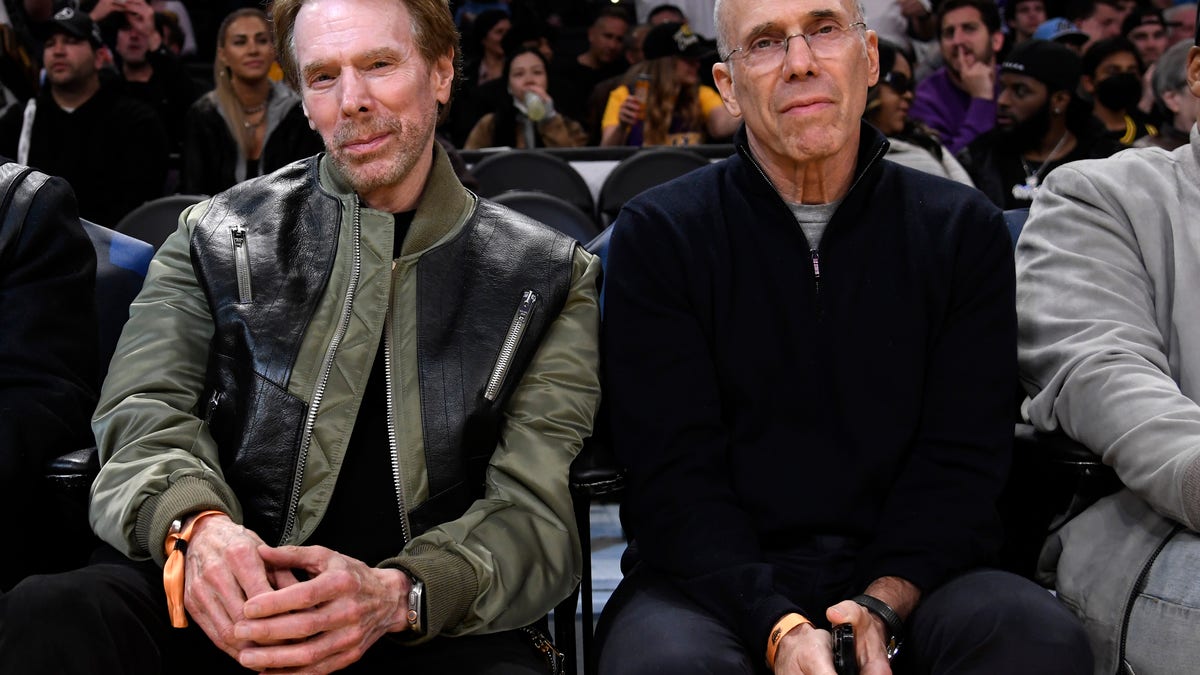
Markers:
(758, 405)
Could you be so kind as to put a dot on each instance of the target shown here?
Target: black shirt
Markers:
(363, 519)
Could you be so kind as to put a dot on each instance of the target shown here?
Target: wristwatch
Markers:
(895, 626)
(416, 603)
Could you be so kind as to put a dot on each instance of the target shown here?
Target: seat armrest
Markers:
(595, 471)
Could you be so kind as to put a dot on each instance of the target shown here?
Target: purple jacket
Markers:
(950, 111)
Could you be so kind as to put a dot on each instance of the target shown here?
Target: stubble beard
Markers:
(384, 167)
(1028, 134)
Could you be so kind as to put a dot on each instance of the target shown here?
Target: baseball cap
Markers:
(1139, 16)
(674, 39)
(1052, 63)
(1059, 29)
(72, 22)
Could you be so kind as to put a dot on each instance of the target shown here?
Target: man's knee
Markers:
(989, 619)
(647, 651)
(649, 627)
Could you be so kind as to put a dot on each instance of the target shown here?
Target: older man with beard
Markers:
(338, 425)
(1040, 124)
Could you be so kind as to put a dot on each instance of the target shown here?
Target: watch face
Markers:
(893, 647)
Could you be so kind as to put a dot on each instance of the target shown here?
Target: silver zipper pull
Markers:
(241, 262)
(512, 340)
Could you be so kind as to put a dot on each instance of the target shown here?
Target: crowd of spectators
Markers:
(538, 74)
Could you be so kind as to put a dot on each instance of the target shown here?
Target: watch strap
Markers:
(892, 620)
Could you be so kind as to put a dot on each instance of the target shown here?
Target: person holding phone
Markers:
(676, 108)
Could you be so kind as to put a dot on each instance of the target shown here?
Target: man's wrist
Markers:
(893, 625)
(414, 614)
(786, 624)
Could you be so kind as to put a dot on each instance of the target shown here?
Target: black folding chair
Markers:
(640, 171)
(532, 170)
(155, 220)
(553, 211)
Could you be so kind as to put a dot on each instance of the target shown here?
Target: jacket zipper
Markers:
(393, 446)
(213, 401)
(1137, 589)
(310, 420)
(516, 331)
(816, 265)
(241, 261)
(814, 254)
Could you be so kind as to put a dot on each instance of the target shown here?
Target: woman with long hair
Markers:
(662, 101)
(248, 125)
(527, 119)
(485, 48)
(911, 142)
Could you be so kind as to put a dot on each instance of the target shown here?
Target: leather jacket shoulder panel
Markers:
(478, 331)
(282, 276)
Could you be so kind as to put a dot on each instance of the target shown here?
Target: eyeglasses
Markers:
(824, 41)
(899, 82)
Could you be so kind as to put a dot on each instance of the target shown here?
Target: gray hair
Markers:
(724, 31)
(1170, 72)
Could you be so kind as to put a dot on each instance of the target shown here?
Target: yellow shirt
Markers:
(709, 100)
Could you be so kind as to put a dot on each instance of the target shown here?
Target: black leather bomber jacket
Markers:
(264, 252)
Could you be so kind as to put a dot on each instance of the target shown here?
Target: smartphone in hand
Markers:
(844, 661)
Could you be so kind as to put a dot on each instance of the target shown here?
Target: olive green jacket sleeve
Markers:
(515, 553)
(158, 459)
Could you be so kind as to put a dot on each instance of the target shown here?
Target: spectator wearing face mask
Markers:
(1040, 124)
(1112, 76)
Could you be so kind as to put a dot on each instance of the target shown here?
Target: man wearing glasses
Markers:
(810, 363)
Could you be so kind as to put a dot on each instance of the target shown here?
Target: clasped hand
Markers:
(247, 598)
(807, 650)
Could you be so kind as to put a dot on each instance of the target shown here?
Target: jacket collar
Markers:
(872, 146)
(442, 209)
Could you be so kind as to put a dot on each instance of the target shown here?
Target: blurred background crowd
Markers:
(134, 99)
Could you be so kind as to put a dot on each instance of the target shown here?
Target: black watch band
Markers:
(895, 625)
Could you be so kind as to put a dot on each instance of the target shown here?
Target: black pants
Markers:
(111, 617)
(986, 621)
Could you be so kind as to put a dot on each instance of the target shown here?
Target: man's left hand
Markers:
(327, 622)
(870, 636)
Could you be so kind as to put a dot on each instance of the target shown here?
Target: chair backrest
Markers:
(599, 247)
(1015, 220)
(640, 171)
(1053, 478)
(557, 213)
(532, 170)
(121, 263)
(155, 220)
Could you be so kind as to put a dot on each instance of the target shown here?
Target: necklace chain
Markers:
(1033, 178)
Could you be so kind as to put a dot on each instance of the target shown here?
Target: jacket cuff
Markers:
(763, 617)
(1191, 494)
(187, 495)
(450, 585)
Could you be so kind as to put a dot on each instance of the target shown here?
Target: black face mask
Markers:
(1119, 92)
(1028, 133)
